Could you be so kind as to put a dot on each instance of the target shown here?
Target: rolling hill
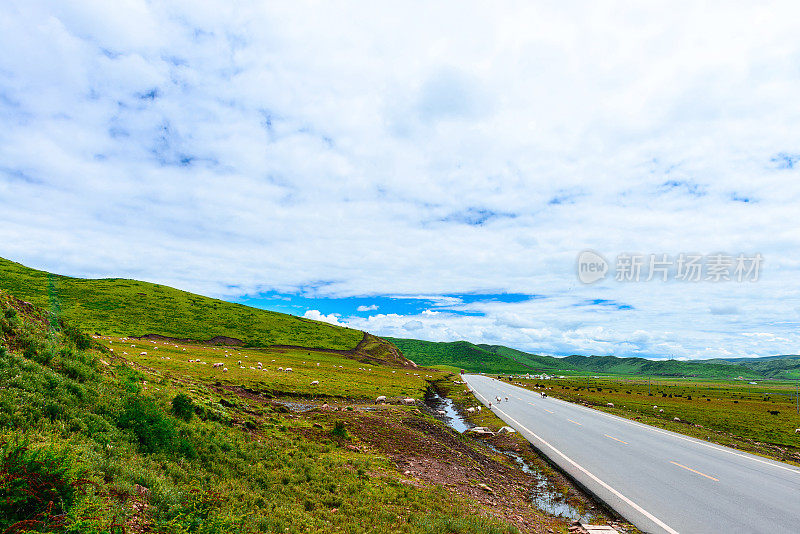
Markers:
(120, 307)
(501, 359)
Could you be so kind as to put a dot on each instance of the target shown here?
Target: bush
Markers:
(154, 431)
(183, 407)
(339, 430)
(77, 338)
(35, 486)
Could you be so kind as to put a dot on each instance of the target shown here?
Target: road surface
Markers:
(658, 480)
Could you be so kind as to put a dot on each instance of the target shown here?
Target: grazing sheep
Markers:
(380, 399)
(797, 430)
(676, 419)
(239, 362)
(142, 354)
(280, 368)
(610, 404)
(315, 383)
(544, 394)
(661, 410)
(224, 369)
(288, 370)
(409, 401)
(218, 364)
(471, 410)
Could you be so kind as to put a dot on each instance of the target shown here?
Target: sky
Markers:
(418, 170)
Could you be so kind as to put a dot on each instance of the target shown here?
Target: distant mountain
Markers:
(502, 359)
(781, 366)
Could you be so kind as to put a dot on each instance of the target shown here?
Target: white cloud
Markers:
(436, 151)
(316, 315)
(371, 307)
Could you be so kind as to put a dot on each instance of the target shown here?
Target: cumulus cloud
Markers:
(292, 148)
(332, 318)
(371, 307)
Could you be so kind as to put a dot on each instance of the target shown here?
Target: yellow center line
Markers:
(616, 439)
(693, 471)
(545, 409)
(571, 421)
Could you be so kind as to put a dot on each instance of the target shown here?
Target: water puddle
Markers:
(545, 495)
(445, 411)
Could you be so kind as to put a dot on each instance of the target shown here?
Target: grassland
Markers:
(337, 376)
(121, 307)
(759, 418)
(98, 441)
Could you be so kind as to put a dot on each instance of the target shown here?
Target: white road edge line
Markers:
(678, 436)
(629, 502)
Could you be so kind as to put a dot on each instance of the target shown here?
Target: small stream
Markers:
(545, 496)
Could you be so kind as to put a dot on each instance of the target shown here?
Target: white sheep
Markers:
(280, 368)
(287, 370)
(315, 383)
(380, 399)
(142, 354)
(409, 401)
(610, 404)
(224, 369)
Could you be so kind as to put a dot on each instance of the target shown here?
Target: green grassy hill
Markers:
(115, 306)
(458, 354)
(94, 443)
(501, 359)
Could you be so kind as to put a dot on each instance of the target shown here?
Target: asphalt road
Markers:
(658, 480)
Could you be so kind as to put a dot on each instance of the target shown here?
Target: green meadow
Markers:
(93, 442)
(337, 376)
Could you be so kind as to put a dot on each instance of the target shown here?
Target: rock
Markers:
(317, 425)
(481, 431)
(485, 488)
(506, 430)
(677, 420)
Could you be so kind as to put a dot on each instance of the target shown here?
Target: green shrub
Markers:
(154, 431)
(339, 430)
(77, 338)
(35, 486)
(183, 407)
